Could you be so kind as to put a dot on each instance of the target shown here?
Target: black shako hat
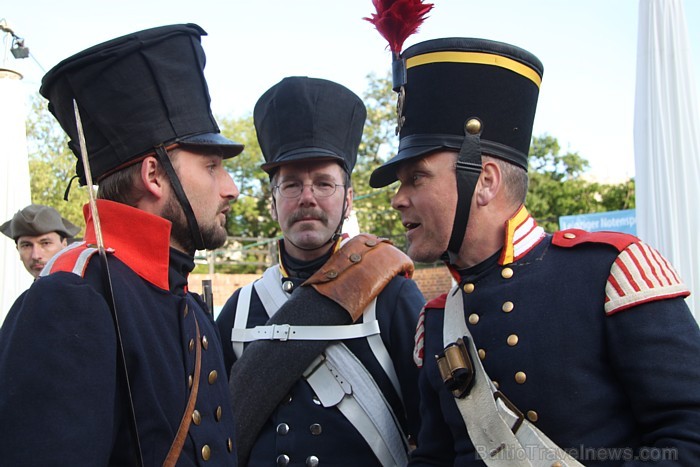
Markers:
(134, 93)
(452, 87)
(303, 118)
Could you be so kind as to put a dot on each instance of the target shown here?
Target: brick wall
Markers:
(431, 281)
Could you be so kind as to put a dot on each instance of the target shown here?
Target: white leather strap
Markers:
(379, 350)
(241, 319)
(488, 420)
(269, 290)
(283, 332)
(341, 380)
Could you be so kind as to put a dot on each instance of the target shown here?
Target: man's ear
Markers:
(273, 209)
(489, 183)
(152, 177)
(348, 200)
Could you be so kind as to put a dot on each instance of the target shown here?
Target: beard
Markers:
(213, 235)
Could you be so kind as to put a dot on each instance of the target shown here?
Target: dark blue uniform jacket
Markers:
(333, 440)
(60, 400)
(612, 384)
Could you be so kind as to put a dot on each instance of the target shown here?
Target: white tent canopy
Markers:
(667, 141)
(14, 184)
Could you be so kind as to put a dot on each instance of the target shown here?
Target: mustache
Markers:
(305, 213)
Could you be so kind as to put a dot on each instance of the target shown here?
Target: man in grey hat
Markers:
(39, 233)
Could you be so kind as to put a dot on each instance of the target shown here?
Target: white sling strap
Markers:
(379, 349)
(488, 419)
(269, 290)
(340, 380)
(241, 319)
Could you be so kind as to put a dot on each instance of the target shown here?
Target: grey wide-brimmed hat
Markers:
(35, 220)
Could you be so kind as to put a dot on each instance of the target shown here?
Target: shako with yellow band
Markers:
(474, 96)
(445, 83)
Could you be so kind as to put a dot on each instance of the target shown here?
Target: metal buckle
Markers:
(456, 368)
(280, 332)
(518, 414)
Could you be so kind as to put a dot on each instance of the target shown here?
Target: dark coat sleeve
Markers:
(655, 352)
(59, 327)
(402, 301)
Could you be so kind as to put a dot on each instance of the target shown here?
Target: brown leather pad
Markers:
(359, 271)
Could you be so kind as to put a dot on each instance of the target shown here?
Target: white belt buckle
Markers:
(280, 332)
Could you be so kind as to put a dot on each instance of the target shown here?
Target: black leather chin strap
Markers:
(181, 197)
(468, 170)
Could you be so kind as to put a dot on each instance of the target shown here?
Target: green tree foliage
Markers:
(249, 221)
(379, 143)
(52, 164)
(558, 186)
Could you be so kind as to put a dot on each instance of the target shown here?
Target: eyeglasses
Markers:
(293, 189)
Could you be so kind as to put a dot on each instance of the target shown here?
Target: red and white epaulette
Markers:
(640, 274)
(419, 338)
(73, 258)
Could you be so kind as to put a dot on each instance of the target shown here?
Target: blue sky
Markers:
(588, 49)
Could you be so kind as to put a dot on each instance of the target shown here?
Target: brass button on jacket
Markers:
(532, 416)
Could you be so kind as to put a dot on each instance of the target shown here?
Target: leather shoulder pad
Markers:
(572, 237)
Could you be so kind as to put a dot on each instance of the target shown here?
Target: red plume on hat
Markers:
(397, 19)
